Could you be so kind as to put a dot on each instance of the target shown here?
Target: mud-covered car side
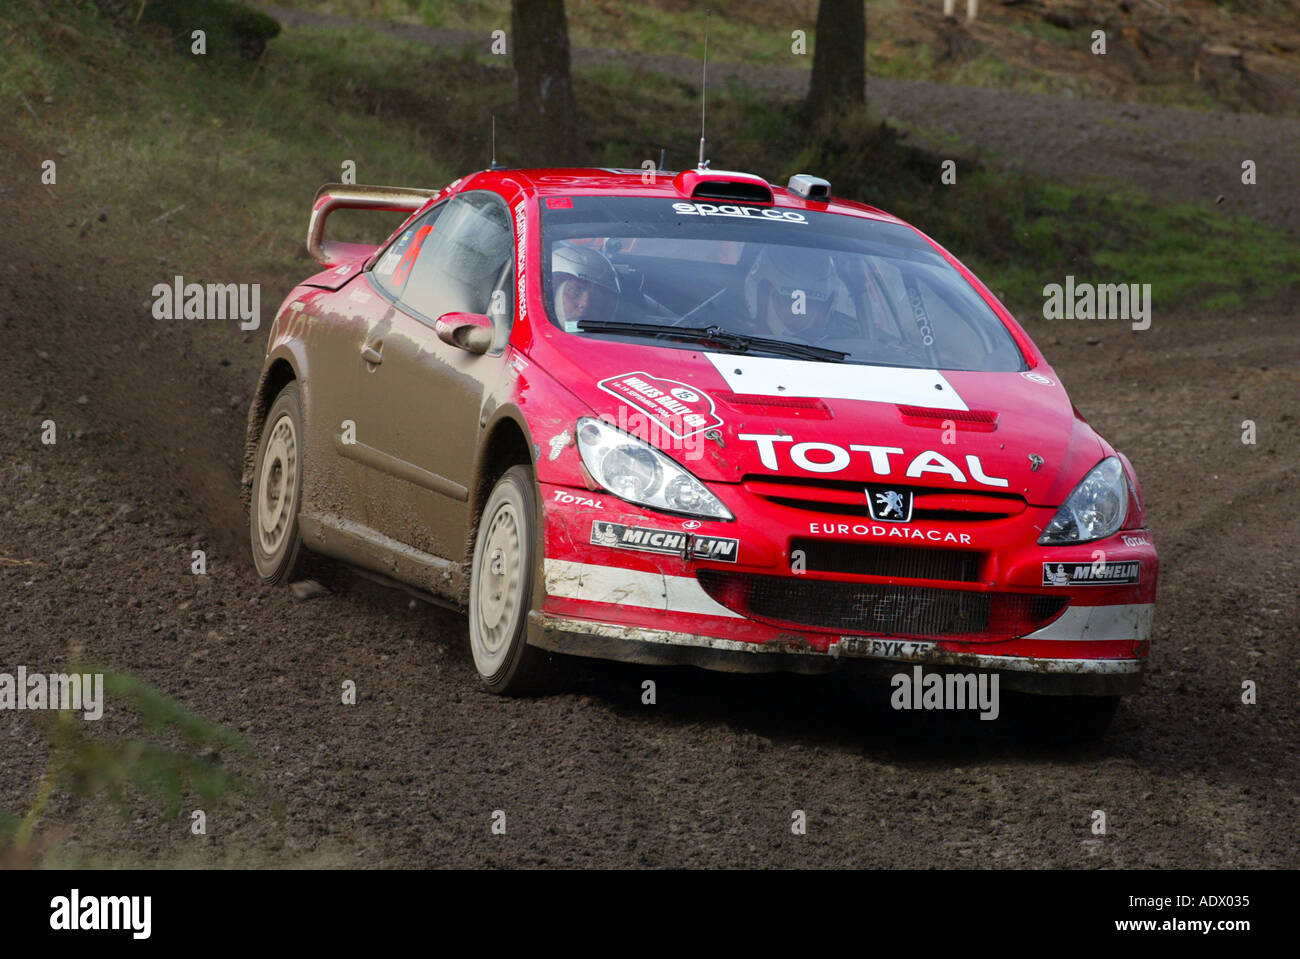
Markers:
(901, 479)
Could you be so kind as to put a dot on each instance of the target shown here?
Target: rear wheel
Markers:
(277, 547)
(501, 588)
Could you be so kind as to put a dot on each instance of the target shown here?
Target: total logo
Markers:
(570, 500)
(829, 458)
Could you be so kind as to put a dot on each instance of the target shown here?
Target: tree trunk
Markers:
(546, 133)
(839, 71)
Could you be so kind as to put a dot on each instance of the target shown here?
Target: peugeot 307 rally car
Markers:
(695, 418)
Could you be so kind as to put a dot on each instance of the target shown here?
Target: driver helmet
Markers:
(584, 282)
(776, 279)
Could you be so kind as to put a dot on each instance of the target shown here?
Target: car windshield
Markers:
(764, 279)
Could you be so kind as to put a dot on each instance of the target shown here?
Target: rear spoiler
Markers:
(347, 196)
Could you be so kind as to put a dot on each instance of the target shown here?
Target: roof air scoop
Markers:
(723, 185)
(812, 188)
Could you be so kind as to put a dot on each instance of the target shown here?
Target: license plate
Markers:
(883, 648)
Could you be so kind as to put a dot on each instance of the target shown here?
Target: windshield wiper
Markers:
(740, 342)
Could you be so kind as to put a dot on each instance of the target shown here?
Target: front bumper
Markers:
(621, 583)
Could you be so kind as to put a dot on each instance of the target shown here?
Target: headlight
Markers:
(637, 472)
(1096, 509)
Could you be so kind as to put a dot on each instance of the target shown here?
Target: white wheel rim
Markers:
(500, 579)
(277, 486)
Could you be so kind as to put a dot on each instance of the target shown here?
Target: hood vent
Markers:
(723, 185)
(806, 407)
(978, 421)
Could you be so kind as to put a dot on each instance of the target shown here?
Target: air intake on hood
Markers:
(981, 421)
(805, 407)
(723, 185)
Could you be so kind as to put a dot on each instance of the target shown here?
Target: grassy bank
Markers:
(214, 161)
(1152, 58)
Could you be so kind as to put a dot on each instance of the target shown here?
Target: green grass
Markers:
(750, 33)
(1018, 232)
(1051, 32)
(758, 32)
(241, 148)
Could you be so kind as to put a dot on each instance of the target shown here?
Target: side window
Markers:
(393, 270)
(462, 262)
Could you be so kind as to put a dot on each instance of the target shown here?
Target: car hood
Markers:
(729, 417)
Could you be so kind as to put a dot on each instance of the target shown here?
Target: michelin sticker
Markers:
(618, 536)
(1089, 574)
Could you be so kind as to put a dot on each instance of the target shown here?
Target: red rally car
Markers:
(694, 418)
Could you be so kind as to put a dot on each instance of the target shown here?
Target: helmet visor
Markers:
(578, 300)
(797, 309)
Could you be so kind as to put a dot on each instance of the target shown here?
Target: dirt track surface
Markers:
(96, 534)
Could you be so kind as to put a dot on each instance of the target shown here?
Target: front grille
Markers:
(849, 498)
(880, 610)
(866, 559)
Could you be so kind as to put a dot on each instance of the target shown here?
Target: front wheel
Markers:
(501, 588)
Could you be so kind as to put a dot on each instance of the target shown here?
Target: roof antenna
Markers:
(494, 165)
(663, 156)
(704, 84)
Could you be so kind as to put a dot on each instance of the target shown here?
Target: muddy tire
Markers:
(276, 541)
(506, 549)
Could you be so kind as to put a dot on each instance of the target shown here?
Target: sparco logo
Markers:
(744, 212)
(922, 318)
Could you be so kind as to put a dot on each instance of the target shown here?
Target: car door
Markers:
(331, 325)
(424, 397)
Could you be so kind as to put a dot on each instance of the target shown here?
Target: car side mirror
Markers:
(471, 332)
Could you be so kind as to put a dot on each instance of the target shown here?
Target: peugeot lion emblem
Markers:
(889, 504)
